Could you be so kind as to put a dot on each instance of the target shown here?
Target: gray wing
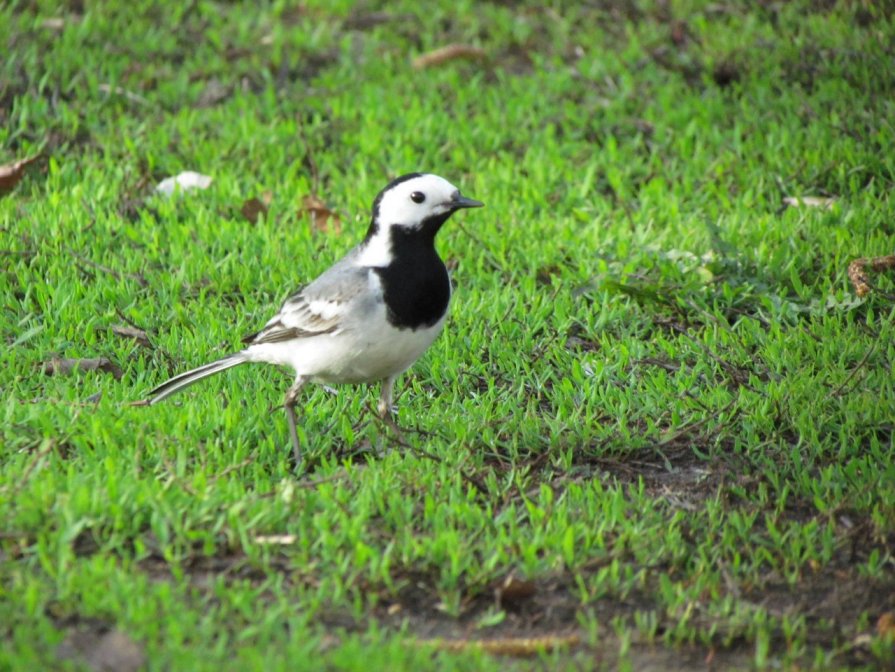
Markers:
(318, 308)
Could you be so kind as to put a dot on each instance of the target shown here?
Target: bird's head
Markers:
(417, 202)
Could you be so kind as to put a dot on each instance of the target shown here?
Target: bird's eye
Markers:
(417, 197)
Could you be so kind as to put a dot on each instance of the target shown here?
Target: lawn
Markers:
(657, 432)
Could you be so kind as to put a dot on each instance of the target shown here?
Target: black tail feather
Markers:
(184, 380)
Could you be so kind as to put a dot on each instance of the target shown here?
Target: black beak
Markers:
(458, 201)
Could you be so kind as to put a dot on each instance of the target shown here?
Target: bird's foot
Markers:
(387, 415)
(384, 410)
(391, 423)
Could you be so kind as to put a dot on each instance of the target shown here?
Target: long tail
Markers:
(184, 380)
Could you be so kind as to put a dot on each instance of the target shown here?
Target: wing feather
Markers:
(315, 310)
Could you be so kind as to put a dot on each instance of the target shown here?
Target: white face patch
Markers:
(414, 200)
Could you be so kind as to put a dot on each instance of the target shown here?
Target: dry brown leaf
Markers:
(506, 646)
(885, 625)
(214, 92)
(103, 651)
(11, 174)
(450, 52)
(126, 331)
(857, 271)
(858, 277)
(680, 33)
(513, 590)
(810, 202)
(322, 218)
(256, 206)
(59, 366)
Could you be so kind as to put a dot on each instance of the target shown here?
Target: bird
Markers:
(370, 315)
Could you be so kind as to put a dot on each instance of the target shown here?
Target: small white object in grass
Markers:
(279, 539)
(56, 23)
(287, 490)
(809, 202)
(119, 91)
(186, 180)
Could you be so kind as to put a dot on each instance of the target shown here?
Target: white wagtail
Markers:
(372, 314)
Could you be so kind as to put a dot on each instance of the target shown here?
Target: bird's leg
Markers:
(386, 397)
(289, 404)
(384, 408)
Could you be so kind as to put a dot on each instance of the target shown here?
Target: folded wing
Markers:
(317, 309)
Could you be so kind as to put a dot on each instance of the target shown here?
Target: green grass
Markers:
(657, 399)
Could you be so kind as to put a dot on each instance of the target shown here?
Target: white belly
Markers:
(357, 355)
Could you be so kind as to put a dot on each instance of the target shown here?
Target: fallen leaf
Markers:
(862, 639)
(858, 277)
(450, 52)
(276, 539)
(680, 32)
(214, 92)
(885, 625)
(512, 591)
(809, 202)
(320, 214)
(253, 208)
(126, 331)
(12, 173)
(186, 181)
(59, 366)
(112, 651)
(55, 23)
(857, 271)
(506, 646)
